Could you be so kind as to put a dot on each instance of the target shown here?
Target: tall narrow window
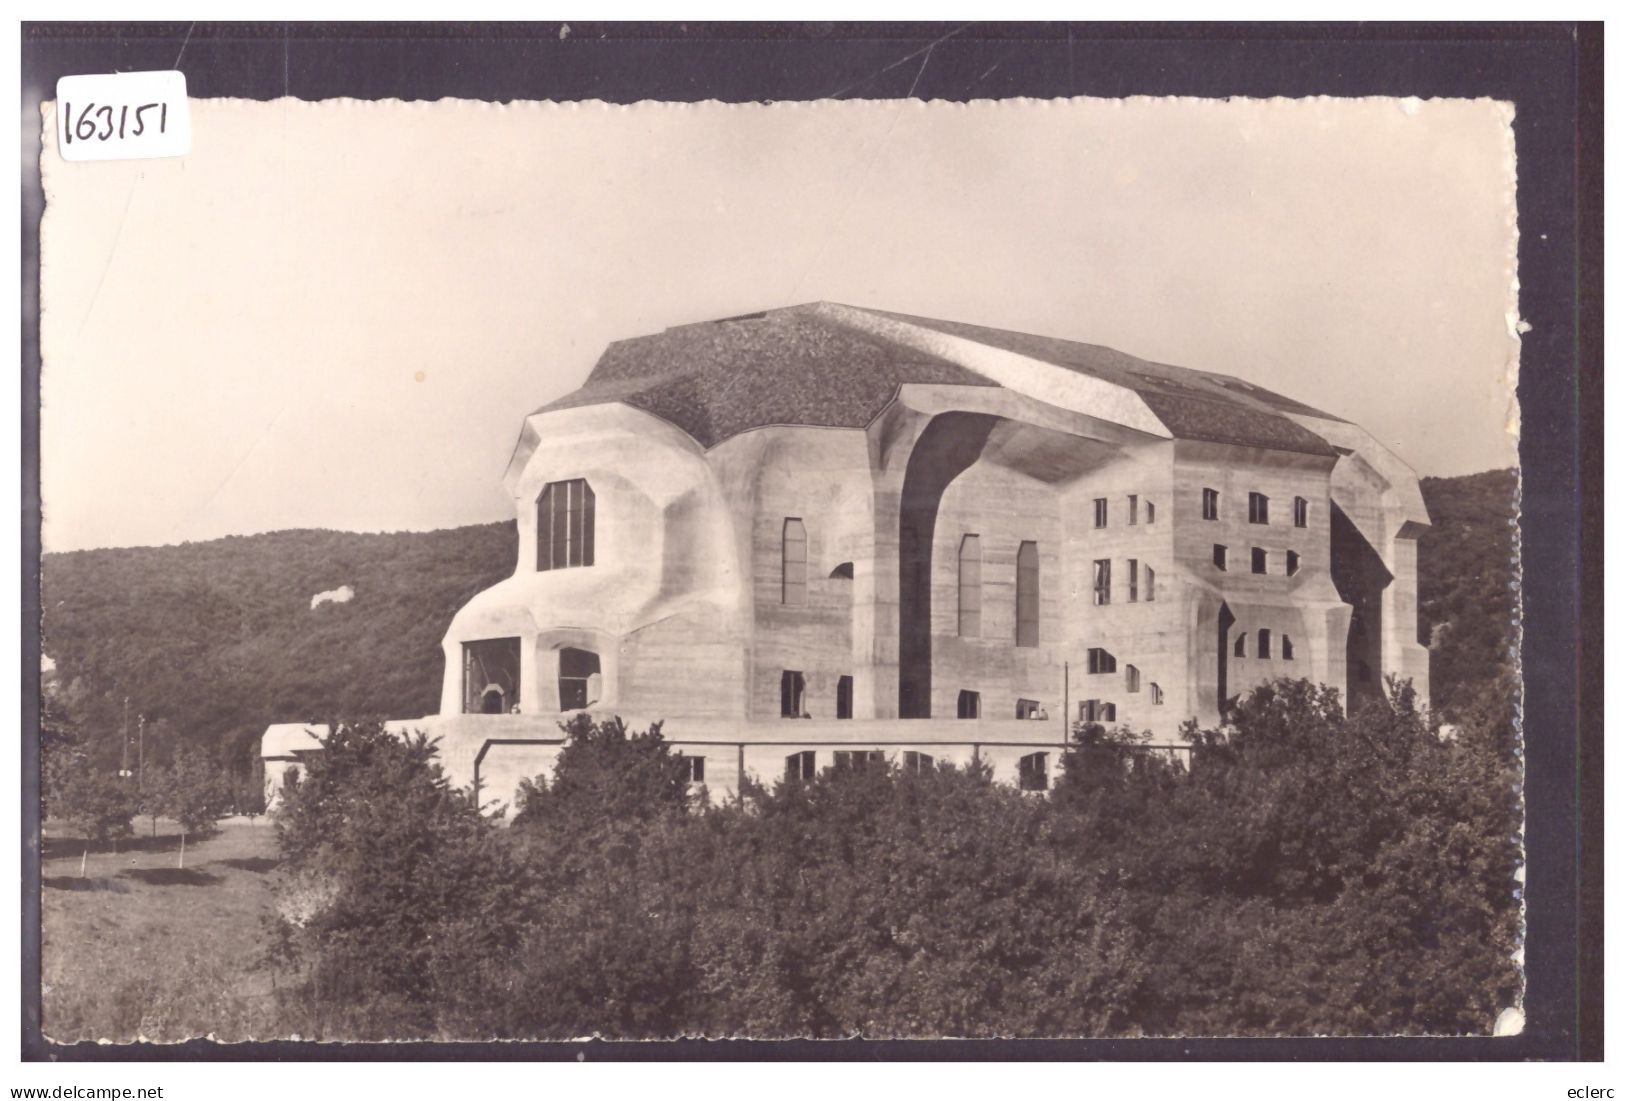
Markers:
(1291, 563)
(1101, 661)
(1103, 581)
(1150, 583)
(1286, 647)
(1221, 556)
(1034, 772)
(792, 694)
(1150, 512)
(843, 698)
(1210, 504)
(1258, 508)
(564, 525)
(1100, 512)
(970, 587)
(1133, 580)
(1264, 642)
(801, 766)
(1300, 512)
(1131, 678)
(1108, 712)
(1156, 694)
(794, 589)
(970, 705)
(1133, 509)
(1241, 645)
(1261, 560)
(1027, 595)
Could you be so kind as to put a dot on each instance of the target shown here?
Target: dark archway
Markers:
(1360, 576)
(945, 450)
(1227, 620)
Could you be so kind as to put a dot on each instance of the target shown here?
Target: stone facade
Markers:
(1002, 533)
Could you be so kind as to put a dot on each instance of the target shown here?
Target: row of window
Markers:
(1260, 559)
(1265, 645)
(793, 696)
(1101, 661)
(970, 590)
(1103, 511)
(1033, 769)
(1258, 508)
(1103, 581)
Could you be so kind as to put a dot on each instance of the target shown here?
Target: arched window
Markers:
(1027, 595)
(794, 589)
(564, 525)
(1241, 645)
(970, 587)
(1264, 642)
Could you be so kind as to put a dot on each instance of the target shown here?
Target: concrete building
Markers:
(826, 530)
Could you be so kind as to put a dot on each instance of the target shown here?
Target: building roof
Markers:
(839, 366)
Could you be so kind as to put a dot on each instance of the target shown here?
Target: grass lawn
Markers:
(139, 948)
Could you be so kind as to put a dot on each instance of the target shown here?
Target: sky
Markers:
(338, 314)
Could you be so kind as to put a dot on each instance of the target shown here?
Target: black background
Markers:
(1551, 72)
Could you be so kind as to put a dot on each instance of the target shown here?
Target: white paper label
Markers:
(122, 116)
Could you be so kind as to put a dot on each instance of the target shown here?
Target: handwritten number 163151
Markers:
(100, 123)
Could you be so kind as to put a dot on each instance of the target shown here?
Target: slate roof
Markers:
(807, 365)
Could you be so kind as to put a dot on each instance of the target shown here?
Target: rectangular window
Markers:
(1027, 595)
(970, 705)
(1150, 583)
(1108, 712)
(1133, 580)
(1258, 508)
(491, 676)
(801, 766)
(1101, 661)
(1291, 563)
(1156, 694)
(1264, 643)
(1103, 581)
(564, 525)
(577, 668)
(843, 698)
(1221, 556)
(1261, 560)
(1300, 512)
(1034, 771)
(794, 552)
(1100, 512)
(792, 695)
(1131, 678)
(1133, 509)
(1026, 709)
(693, 768)
(970, 586)
(1150, 512)
(918, 762)
(1088, 711)
(1210, 504)
(846, 759)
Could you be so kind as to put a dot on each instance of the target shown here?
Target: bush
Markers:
(1306, 872)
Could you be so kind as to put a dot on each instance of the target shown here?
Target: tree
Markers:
(100, 804)
(391, 884)
(193, 792)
